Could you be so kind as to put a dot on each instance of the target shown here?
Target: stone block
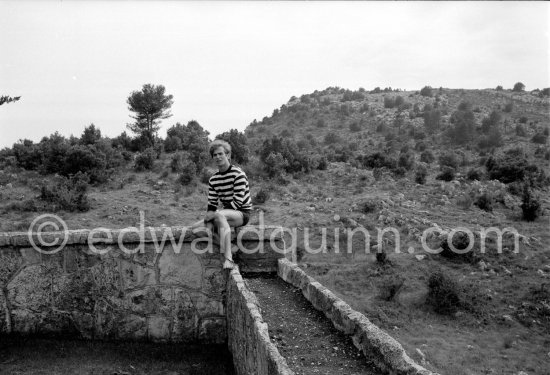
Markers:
(159, 328)
(132, 327)
(182, 269)
(136, 276)
(76, 259)
(10, 262)
(213, 330)
(31, 289)
(30, 255)
(84, 323)
(214, 281)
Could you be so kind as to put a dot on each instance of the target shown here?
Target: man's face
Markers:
(220, 157)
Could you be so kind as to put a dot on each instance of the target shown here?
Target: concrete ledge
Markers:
(130, 235)
(375, 343)
(248, 336)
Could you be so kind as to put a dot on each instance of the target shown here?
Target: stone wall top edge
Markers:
(128, 235)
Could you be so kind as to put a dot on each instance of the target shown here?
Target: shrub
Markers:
(68, 194)
(176, 164)
(369, 206)
(518, 87)
(320, 123)
(449, 159)
(432, 119)
(513, 166)
(474, 174)
(427, 157)
(460, 241)
(377, 160)
(399, 172)
(331, 138)
(188, 173)
(406, 160)
(426, 91)
(377, 173)
(354, 126)
(390, 286)
(484, 202)
(464, 201)
(420, 175)
(508, 107)
(145, 160)
(499, 88)
(447, 174)
(523, 120)
(322, 163)
(443, 293)
(539, 138)
(530, 206)
(261, 197)
(389, 102)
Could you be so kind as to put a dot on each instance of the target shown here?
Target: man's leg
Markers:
(224, 220)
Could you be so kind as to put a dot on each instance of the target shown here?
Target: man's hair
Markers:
(217, 144)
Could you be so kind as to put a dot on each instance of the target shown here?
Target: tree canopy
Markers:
(150, 105)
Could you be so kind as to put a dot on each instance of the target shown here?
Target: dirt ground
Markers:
(37, 356)
(303, 335)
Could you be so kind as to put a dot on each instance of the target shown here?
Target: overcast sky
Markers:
(228, 63)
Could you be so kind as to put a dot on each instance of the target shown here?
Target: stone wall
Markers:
(138, 288)
(248, 336)
(375, 344)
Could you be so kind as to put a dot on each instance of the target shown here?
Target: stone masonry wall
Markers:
(248, 336)
(160, 291)
(375, 344)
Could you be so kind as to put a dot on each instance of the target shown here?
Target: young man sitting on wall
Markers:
(230, 187)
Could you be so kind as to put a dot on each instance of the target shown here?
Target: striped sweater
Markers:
(231, 188)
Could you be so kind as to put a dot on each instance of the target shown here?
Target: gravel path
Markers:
(303, 335)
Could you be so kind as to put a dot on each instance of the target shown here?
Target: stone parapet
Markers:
(375, 343)
(248, 336)
(159, 284)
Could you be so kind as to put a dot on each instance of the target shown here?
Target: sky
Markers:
(227, 63)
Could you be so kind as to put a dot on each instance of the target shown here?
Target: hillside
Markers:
(345, 160)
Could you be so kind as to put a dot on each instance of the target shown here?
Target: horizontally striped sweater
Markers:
(231, 188)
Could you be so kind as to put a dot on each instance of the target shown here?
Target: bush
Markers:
(420, 175)
(447, 174)
(484, 202)
(188, 173)
(369, 206)
(389, 102)
(530, 206)
(427, 157)
(426, 91)
(432, 119)
(406, 160)
(474, 174)
(390, 286)
(261, 197)
(523, 120)
(331, 138)
(508, 107)
(513, 166)
(443, 293)
(539, 138)
(68, 194)
(320, 123)
(449, 159)
(377, 160)
(145, 160)
(518, 87)
(399, 172)
(520, 131)
(177, 162)
(354, 126)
